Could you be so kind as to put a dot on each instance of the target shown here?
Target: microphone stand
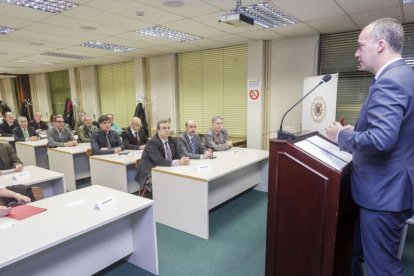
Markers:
(285, 135)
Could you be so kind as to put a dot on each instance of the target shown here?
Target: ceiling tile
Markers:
(333, 25)
(367, 5)
(364, 18)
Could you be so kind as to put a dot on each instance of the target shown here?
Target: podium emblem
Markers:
(318, 109)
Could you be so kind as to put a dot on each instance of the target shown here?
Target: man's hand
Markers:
(19, 167)
(22, 198)
(141, 147)
(332, 131)
(229, 143)
(184, 161)
(117, 150)
(208, 153)
(4, 211)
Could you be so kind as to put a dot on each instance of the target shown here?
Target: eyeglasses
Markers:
(59, 121)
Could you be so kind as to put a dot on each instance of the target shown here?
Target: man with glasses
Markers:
(217, 137)
(59, 135)
(189, 143)
(134, 137)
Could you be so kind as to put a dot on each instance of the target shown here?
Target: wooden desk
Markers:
(74, 238)
(184, 196)
(115, 171)
(52, 183)
(238, 141)
(33, 153)
(72, 162)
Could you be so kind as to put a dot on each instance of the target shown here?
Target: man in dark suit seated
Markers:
(37, 123)
(59, 135)
(24, 132)
(6, 128)
(9, 159)
(161, 150)
(106, 141)
(189, 143)
(134, 137)
(217, 137)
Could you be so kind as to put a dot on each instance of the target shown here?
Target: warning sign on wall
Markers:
(253, 92)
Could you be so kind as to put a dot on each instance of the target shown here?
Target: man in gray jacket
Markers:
(217, 137)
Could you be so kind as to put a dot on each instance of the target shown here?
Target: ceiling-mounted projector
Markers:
(237, 19)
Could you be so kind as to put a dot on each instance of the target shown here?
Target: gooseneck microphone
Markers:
(284, 135)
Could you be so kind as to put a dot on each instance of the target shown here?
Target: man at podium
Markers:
(382, 146)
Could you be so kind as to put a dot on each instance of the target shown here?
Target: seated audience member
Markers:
(189, 143)
(134, 137)
(105, 140)
(37, 123)
(217, 137)
(160, 150)
(10, 122)
(51, 121)
(17, 193)
(59, 135)
(79, 122)
(114, 126)
(23, 132)
(1, 117)
(86, 129)
(9, 159)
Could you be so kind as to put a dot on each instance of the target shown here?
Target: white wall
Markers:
(163, 90)
(89, 92)
(255, 112)
(292, 60)
(42, 101)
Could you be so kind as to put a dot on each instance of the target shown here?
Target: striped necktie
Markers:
(192, 145)
(167, 151)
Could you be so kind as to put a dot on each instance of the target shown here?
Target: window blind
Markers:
(117, 91)
(336, 54)
(213, 82)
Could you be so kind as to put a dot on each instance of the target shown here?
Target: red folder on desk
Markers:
(24, 211)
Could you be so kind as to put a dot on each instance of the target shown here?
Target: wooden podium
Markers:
(311, 214)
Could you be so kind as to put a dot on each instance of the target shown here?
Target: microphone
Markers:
(285, 135)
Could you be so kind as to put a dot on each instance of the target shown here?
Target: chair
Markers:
(409, 221)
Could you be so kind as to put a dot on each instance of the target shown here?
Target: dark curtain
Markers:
(68, 114)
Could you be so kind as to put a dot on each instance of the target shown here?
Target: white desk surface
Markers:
(225, 163)
(123, 159)
(80, 148)
(6, 139)
(59, 223)
(38, 143)
(37, 175)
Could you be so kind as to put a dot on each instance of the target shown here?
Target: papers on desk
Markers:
(24, 211)
(6, 224)
(325, 151)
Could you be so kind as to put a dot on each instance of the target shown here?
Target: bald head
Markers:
(190, 127)
(136, 123)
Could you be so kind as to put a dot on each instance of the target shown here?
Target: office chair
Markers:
(409, 221)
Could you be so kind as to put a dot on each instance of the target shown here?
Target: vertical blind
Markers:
(59, 87)
(213, 82)
(117, 91)
(336, 54)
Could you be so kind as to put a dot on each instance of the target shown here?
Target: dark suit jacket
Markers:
(184, 148)
(6, 129)
(41, 125)
(382, 144)
(19, 136)
(154, 155)
(8, 156)
(130, 141)
(98, 141)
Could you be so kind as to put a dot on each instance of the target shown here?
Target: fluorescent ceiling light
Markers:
(61, 55)
(407, 2)
(265, 14)
(6, 30)
(37, 62)
(167, 33)
(107, 46)
(52, 6)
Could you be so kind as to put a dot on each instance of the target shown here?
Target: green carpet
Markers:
(236, 246)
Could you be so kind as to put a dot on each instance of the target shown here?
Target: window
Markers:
(214, 82)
